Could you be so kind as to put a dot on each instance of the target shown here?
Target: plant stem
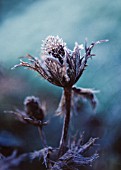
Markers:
(63, 141)
(42, 135)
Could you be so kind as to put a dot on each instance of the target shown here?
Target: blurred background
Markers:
(23, 26)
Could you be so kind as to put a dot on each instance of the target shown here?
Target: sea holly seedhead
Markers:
(59, 65)
(33, 112)
(33, 107)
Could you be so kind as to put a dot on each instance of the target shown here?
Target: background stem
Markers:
(42, 135)
(63, 141)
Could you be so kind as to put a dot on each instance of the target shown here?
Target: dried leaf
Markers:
(43, 153)
(89, 94)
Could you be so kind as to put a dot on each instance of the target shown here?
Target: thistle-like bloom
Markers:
(33, 108)
(59, 65)
(33, 113)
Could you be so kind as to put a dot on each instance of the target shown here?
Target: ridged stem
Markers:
(63, 141)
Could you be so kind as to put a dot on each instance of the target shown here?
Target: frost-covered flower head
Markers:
(59, 65)
(53, 46)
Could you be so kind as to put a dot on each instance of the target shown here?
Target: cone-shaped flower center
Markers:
(54, 46)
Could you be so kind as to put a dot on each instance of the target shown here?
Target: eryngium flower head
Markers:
(33, 107)
(33, 113)
(59, 65)
(54, 46)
